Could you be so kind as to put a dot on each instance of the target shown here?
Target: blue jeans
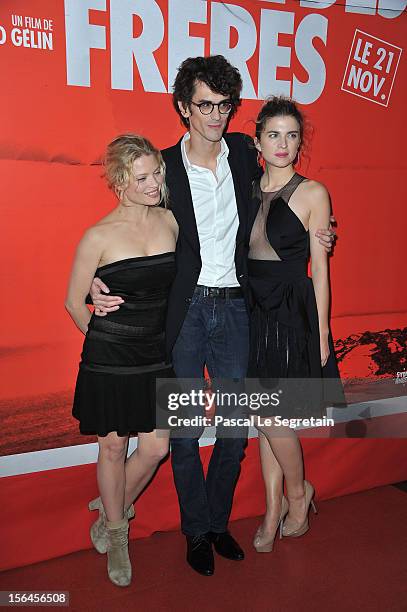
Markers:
(216, 333)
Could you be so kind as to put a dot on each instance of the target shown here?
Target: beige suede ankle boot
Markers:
(98, 533)
(118, 561)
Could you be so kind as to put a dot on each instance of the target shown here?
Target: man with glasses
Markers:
(209, 174)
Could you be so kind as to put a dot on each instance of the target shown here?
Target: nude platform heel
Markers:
(264, 544)
(309, 502)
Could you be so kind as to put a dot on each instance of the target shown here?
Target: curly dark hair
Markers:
(216, 72)
(278, 106)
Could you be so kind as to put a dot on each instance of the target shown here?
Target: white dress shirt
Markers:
(216, 217)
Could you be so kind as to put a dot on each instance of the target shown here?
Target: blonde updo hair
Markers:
(120, 155)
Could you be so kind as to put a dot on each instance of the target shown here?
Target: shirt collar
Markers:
(224, 151)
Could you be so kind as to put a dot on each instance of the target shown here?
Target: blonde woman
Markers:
(131, 249)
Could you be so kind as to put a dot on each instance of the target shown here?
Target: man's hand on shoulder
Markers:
(327, 237)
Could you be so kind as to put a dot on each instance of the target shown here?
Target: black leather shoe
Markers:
(226, 546)
(200, 554)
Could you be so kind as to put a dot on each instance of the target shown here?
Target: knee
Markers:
(272, 430)
(161, 451)
(113, 449)
(156, 452)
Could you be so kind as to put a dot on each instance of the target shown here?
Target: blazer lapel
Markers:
(181, 197)
(241, 201)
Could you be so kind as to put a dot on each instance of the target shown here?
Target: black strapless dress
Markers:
(124, 352)
(284, 329)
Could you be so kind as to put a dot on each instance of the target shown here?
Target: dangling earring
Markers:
(260, 160)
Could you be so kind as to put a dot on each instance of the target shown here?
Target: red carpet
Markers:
(353, 558)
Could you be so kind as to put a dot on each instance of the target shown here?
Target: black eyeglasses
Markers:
(206, 108)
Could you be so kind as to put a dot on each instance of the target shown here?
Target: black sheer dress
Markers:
(284, 330)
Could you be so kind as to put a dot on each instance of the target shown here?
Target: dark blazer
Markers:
(243, 164)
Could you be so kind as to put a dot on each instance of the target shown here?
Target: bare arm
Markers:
(320, 209)
(86, 261)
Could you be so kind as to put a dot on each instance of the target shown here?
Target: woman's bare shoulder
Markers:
(314, 192)
(97, 233)
(314, 187)
(107, 221)
(167, 215)
(165, 212)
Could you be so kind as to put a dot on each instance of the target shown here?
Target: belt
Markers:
(220, 292)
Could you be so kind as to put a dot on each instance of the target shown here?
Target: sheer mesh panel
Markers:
(260, 247)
